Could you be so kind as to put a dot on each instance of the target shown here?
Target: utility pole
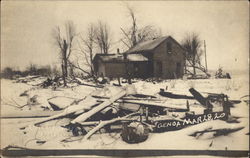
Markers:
(205, 54)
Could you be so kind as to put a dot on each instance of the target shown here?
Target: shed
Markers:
(120, 65)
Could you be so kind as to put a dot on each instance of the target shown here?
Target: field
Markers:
(50, 134)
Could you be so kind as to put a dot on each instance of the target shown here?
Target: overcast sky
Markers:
(26, 27)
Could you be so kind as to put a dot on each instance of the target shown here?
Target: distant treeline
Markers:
(10, 73)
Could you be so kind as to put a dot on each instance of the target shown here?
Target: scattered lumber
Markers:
(130, 97)
(213, 100)
(136, 103)
(27, 114)
(103, 105)
(104, 123)
(25, 93)
(202, 100)
(86, 104)
(157, 114)
(143, 96)
(81, 82)
(100, 97)
(61, 102)
(217, 132)
(129, 107)
(153, 104)
(174, 96)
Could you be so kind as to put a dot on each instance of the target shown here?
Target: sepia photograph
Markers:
(124, 78)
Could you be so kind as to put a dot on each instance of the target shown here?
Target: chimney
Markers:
(118, 51)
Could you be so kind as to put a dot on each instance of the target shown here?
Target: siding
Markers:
(100, 68)
(168, 61)
(161, 64)
(115, 70)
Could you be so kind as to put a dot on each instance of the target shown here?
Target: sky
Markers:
(26, 27)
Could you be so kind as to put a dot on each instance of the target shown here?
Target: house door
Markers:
(178, 70)
(136, 70)
(158, 69)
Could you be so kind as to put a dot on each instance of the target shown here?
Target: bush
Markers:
(46, 71)
(7, 73)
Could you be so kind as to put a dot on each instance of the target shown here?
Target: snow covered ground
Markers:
(50, 135)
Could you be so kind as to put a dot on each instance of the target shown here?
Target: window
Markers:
(169, 47)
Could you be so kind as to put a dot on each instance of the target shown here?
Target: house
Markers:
(120, 65)
(161, 57)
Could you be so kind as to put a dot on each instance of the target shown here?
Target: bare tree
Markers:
(134, 34)
(64, 43)
(192, 44)
(86, 44)
(103, 36)
(89, 43)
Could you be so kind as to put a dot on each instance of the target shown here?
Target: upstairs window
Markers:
(169, 47)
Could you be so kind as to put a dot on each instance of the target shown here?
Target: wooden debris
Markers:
(60, 102)
(103, 105)
(25, 93)
(217, 132)
(198, 97)
(174, 96)
(153, 104)
(155, 114)
(28, 114)
(81, 82)
(85, 105)
(104, 123)
(132, 104)
(143, 96)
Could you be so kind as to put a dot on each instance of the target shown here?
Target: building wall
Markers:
(165, 64)
(114, 70)
(139, 69)
(100, 68)
(161, 64)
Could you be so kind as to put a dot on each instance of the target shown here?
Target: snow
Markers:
(53, 133)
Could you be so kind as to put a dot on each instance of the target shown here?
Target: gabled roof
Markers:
(150, 44)
(119, 57)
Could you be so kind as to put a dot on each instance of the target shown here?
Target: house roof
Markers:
(110, 57)
(136, 57)
(150, 44)
(120, 57)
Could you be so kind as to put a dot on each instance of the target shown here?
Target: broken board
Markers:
(60, 102)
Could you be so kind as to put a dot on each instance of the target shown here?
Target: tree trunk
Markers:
(194, 65)
(63, 75)
(91, 63)
(65, 64)
(66, 68)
